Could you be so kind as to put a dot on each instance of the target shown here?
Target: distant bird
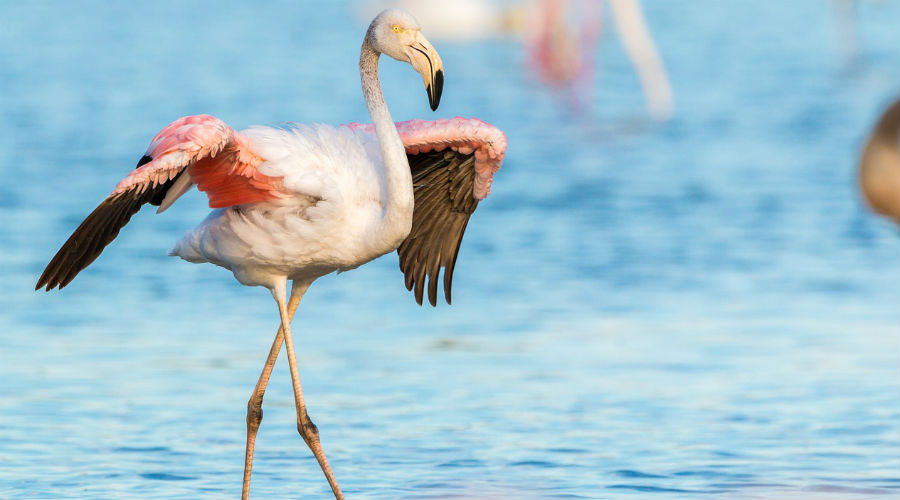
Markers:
(879, 166)
(457, 20)
(299, 203)
(559, 50)
(562, 53)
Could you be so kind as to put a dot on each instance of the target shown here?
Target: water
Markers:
(700, 309)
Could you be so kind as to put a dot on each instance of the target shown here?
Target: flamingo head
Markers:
(396, 33)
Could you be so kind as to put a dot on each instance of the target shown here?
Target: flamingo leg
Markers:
(305, 426)
(254, 406)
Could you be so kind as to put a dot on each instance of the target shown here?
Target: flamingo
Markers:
(460, 20)
(562, 55)
(879, 166)
(301, 202)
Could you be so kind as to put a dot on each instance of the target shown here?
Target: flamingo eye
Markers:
(396, 28)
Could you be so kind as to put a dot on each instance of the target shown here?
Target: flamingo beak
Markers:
(428, 63)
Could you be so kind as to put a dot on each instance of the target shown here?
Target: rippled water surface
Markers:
(698, 309)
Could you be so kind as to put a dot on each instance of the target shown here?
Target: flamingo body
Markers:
(297, 202)
(302, 201)
(326, 216)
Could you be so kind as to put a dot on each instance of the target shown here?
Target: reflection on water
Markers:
(697, 309)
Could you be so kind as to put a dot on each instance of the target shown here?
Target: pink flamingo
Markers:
(562, 54)
(299, 203)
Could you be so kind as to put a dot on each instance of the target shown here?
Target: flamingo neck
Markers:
(398, 187)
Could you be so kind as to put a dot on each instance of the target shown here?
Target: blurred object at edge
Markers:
(879, 165)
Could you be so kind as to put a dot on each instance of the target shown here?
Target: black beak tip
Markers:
(434, 91)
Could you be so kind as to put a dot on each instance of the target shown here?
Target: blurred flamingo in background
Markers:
(562, 53)
(879, 165)
(299, 203)
(457, 20)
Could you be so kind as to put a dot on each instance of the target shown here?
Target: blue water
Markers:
(698, 309)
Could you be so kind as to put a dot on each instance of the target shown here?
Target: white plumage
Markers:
(337, 178)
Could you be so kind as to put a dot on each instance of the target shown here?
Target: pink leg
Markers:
(254, 406)
(307, 429)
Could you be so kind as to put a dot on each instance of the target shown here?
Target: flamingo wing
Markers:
(200, 150)
(452, 162)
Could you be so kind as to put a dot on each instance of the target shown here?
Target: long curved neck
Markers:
(399, 195)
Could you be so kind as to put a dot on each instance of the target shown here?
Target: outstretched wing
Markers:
(453, 163)
(200, 150)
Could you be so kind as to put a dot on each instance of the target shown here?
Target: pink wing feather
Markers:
(219, 160)
(463, 135)
(213, 156)
(453, 162)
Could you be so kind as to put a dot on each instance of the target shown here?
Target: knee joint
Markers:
(254, 412)
(308, 429)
